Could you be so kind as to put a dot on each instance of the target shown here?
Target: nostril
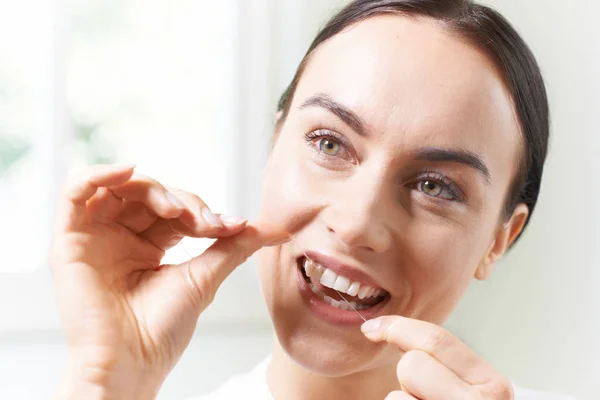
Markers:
(353, 238)
(370, 238)
(339, 239)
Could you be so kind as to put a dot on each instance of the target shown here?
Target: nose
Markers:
(358, 221)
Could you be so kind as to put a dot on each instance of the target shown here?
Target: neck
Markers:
(290, 381)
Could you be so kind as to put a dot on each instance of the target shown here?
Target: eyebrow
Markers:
(465, 157)
(433, 154)
(349, 117)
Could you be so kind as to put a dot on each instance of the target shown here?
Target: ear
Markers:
(505, 236)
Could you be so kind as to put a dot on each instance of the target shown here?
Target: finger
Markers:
(208, 271)
(152, 194)
(135, 216)
(197, 221)
(399, 395)
(140, 218)
(167, 233)
(72, 206)
(424, 377)
(198, 213)
(202, 220)
(411, 334)
(104, 206)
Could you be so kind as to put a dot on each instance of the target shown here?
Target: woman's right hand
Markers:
(127, 319)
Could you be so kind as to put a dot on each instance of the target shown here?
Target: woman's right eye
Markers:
(329, 144)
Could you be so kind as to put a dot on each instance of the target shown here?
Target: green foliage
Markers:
(89, 134)
(11, 150)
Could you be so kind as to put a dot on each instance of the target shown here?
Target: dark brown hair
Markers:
(490, 32)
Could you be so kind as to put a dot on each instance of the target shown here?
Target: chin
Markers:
(332, 355)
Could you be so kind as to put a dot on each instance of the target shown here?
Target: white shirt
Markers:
(253, 385)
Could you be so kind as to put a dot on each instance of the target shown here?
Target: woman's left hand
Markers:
(435, 365)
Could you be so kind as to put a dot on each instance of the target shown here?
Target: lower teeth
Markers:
(342, 305)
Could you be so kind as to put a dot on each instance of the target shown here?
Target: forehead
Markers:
(410, 80)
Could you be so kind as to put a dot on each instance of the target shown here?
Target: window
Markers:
(151, 83)
(25, 119)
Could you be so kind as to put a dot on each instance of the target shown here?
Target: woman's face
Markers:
(391, 171)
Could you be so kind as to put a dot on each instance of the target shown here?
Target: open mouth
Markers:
(326, 283)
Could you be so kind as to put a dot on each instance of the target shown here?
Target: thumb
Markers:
(208, 271)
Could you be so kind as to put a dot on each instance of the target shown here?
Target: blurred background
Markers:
(187, 90)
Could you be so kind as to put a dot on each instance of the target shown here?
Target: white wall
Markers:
(538, 318)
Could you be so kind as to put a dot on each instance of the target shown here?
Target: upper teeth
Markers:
(328, 278)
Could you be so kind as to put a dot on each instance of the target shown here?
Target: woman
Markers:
(407, 159)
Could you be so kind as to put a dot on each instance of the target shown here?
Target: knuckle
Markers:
(436, 340)
(196, 199)
(237, 251)
(203, 291)
(186, 196)
(143, 178)
(146, 183)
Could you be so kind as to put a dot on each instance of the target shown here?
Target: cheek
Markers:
(267, 268)
(290, 194)
(439, 263)
(282, 199)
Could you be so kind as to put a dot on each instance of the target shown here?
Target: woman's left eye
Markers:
(438, 186)
(431, 188)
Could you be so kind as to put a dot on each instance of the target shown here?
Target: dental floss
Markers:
(188, 272)
(343, 298)
(350, 304)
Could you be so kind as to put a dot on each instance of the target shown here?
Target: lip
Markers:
(334, 315)
(341, 269)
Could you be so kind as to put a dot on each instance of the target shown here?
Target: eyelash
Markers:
(447, 183)
(320, 134)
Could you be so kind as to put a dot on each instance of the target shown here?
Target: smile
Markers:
(360, 296)
(321, 285)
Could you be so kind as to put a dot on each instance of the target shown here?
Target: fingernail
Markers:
(279, 242)
(371, 326)
(211, 218)
(231, 220)
(174, 200)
